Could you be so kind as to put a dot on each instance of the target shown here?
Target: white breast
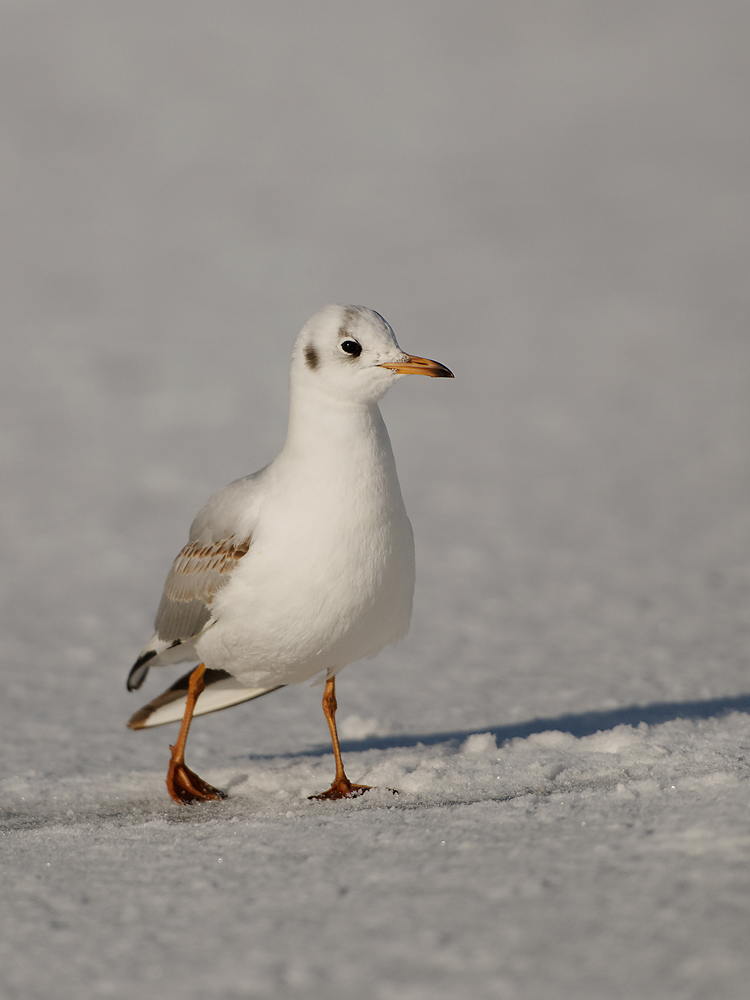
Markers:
(329, 576)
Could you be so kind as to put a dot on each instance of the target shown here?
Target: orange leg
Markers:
(341, 788)
(183, 784)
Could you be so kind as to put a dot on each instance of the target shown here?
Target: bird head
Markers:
(351, 353)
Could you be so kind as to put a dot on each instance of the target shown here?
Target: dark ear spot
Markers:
(311, 357)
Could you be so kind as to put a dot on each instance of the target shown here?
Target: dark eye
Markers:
(351, 347)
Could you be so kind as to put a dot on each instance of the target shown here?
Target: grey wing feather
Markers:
(233, 510)
(196, 575)
(219, 536)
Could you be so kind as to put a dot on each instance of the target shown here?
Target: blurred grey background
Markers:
(551, 198)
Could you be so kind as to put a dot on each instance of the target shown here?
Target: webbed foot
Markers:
(186, 787)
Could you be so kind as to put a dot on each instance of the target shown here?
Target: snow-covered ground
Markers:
(553, 200)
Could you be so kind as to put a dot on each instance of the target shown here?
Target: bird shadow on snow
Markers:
(582, 724)
(133, 808)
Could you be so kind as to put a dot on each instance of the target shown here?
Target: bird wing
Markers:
(220, 536)
(198, 572)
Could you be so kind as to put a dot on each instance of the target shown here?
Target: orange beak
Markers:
(412, 365)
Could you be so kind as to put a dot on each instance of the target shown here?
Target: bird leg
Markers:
(183, 784)
(341, 788)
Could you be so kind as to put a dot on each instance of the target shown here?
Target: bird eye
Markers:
(351, 347)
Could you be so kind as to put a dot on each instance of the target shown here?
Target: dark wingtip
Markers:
(138, 671)
(139, 719)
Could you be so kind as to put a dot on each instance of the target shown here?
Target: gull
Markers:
(304, 567)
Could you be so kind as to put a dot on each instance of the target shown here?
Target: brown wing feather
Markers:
(198, 572)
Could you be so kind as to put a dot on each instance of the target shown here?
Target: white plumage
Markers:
(307, 565)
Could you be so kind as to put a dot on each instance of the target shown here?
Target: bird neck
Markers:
(325, 429)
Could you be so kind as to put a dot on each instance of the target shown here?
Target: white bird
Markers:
(303, 567)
